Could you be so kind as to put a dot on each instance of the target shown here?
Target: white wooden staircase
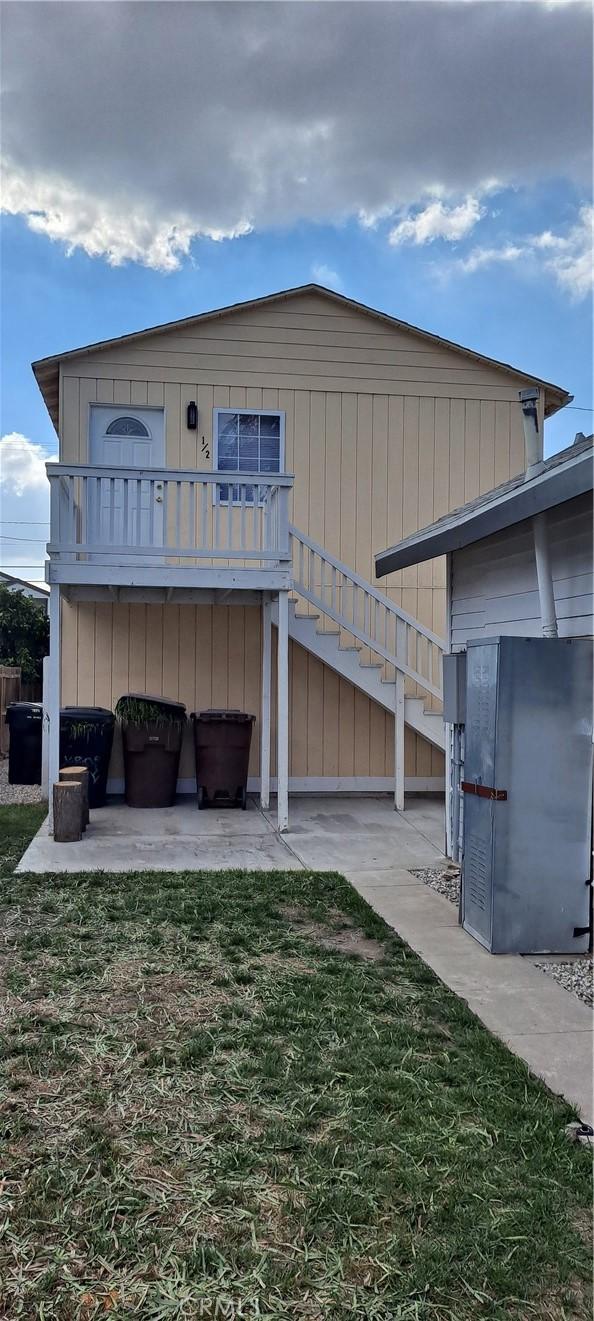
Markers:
(369, 676)
(367, 639)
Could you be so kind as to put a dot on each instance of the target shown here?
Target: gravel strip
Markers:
(17, 793)
(445, 880)
(574, 975)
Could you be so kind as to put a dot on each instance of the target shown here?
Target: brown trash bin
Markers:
(152, 735)
(222, 748)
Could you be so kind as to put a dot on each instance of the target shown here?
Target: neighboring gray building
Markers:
(492, 583)
(32, 590)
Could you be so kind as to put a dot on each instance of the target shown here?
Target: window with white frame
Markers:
(247, 440)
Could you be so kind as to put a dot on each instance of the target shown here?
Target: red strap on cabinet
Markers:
(484, 791)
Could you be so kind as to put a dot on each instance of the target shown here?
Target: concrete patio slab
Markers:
(328, 833)
(338, 833)
(120, 839)
(182, 820)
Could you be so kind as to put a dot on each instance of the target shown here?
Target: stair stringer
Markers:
(369, 679)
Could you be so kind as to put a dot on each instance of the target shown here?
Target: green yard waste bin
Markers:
(222, 749)
(152, 735)
(86, 738)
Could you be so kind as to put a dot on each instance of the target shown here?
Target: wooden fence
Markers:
(10, 691)
(13, 689)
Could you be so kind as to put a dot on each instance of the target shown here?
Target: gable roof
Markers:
(564, 476)
(37, 590)
(46, 370)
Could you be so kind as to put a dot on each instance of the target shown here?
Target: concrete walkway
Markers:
(377, 850)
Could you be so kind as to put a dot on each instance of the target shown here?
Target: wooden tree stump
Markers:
(67, 812)
(78, 775)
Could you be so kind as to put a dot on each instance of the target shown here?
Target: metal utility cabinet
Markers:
(528, 794)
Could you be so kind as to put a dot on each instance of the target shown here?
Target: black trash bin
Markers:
(86, 737)
(25, 722)
(152, 735)
(222, 749)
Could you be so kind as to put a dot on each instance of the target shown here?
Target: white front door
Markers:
(126, 437)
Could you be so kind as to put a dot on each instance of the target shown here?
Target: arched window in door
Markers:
(127, 426)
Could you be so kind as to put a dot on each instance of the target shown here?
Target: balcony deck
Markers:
(167, 531)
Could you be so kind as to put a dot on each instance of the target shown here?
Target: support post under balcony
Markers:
(52, 701)
(265, 703)
(282, 759)
(399, 742)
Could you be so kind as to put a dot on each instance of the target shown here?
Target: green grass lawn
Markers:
(18, 825)
(241, 1095)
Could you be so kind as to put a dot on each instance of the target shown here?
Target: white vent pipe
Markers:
(534, 465)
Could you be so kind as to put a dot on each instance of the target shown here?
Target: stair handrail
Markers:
(402, 621)
(365, 585)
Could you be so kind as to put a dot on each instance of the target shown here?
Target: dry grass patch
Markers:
(337, 933)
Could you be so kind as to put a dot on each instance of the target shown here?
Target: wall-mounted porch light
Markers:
(192, 416)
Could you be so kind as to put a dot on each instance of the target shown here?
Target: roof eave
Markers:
(46, 369)
(523, 501)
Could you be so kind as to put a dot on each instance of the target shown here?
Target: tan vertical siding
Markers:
(383, 432)
(195, 654)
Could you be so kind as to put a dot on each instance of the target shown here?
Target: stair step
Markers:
(356, 647)
(392, 681)
(371, 665)
(328, 632)
(302, 614)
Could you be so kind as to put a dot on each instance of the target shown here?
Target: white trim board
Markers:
(322, 784)
(158, 575)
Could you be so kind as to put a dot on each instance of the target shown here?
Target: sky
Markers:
(428, 158)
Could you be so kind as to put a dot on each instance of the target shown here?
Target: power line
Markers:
(31, 541)
(577, 408)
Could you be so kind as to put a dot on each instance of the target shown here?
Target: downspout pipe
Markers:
(542, 555)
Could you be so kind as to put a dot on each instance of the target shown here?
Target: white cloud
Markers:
(22, 465)
(24, 506)
(481, 257)
(113, 229)
(567, 257)
(323, 274)
(438, 221)
(130, 129)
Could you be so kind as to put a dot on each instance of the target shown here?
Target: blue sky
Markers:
(479, 248)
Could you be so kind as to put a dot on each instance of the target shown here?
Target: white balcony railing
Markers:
(123, 516)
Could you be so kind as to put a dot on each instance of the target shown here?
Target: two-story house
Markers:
(223, 482)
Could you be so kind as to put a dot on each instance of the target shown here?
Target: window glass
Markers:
(228, 451)
(249, 424)
(270, 425)
(247, 442)
(269, 452)
(127, 426)
(248, 449)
